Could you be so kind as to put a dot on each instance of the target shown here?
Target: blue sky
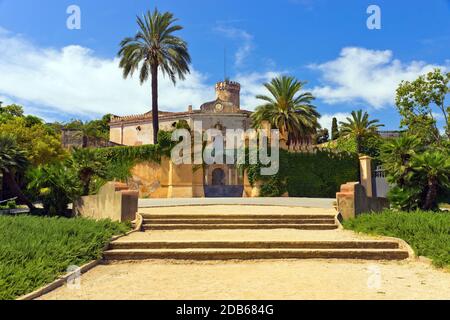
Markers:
(62, 74)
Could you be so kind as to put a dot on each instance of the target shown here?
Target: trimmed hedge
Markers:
(318, 174)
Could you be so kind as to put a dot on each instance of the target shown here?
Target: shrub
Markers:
(428, 233)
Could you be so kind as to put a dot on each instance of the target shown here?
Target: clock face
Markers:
(219, 107)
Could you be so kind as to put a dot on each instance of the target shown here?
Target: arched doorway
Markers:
(223, 181)
(218, 177)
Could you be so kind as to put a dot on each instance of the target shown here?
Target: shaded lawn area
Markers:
(35, 251)
(428, 233)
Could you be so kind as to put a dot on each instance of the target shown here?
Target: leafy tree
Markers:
(98, 128)
(334, 129)
(155, 47)
(12, 159)
(417, 100)
(359, 126)
(288, 110)
(93, 129)
(41, 144)
(88, 163)
(10, 111)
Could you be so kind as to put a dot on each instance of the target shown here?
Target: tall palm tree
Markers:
(12, 159)
(359, 126)
(288, 110)
(155, 47)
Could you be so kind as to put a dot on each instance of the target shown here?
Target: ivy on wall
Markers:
(316, 174)
(132, 154)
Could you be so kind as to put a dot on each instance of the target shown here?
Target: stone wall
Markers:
(167, 180)
(114, 201)
(352, 200)
(355, 198)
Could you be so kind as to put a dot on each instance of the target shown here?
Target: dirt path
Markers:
(289, 279)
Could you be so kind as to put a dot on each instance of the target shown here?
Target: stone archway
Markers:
(218, 177)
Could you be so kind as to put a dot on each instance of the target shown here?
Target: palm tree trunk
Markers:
(10, 181)
(359, 144)
(86, 185)
(155, 115)
(430, 199)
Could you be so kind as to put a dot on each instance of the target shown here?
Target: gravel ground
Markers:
(272, 279)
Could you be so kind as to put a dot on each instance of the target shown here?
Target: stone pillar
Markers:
(181, 181)
(247, 186)
(365, 164)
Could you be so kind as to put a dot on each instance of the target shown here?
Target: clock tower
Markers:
(227, 98)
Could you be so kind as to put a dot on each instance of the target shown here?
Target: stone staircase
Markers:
(239, 221)
(246, 249)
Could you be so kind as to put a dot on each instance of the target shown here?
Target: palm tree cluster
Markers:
(419, 173)
(289, 110)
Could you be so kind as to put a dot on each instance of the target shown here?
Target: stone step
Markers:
(238, 221)
(247, 254)
(361, 244)
(236, 216)
(239, 226)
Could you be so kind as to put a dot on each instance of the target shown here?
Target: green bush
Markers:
(34, 251)
(317, 174)
(56, 186)
(428, 233)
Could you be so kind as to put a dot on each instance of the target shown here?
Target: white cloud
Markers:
(327, 119)
(366, 76)
(245, 39)
(73, 80)
(61, 83)
(252, 85)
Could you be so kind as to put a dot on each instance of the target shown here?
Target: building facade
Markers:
(223, 113)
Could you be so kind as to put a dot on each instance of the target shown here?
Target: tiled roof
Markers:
(162, 115)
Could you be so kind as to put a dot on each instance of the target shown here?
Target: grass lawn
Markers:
(427, 233)
(34, 251)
